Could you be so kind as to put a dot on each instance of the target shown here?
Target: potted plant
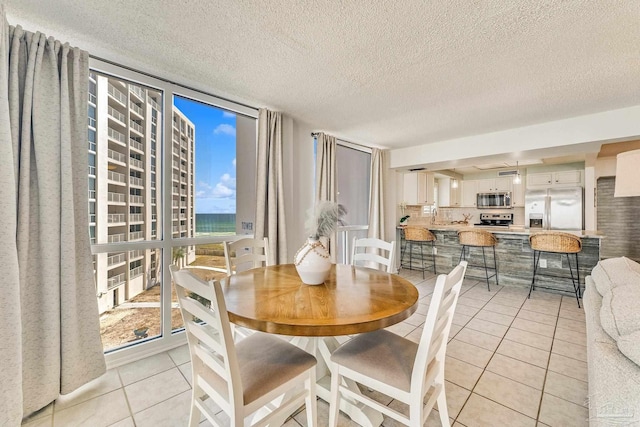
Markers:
(312, 260)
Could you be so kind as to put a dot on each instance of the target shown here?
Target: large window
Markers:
(164, 188)
(352, 161)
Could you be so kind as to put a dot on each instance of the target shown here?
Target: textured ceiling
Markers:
(385, 73)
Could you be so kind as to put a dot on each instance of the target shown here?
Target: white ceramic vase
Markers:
(312, 262)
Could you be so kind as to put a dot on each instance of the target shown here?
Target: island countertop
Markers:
(513, 252)
(512, 229)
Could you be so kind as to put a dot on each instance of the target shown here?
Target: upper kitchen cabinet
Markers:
(419, 188)
(469, 193)
(572, 178)
(517, 196)
(494, 184)
(448, 194)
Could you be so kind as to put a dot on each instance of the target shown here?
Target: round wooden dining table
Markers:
(352, 300)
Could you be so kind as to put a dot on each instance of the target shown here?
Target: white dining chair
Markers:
(398, 367)
(370, 251)
(246, 253)
(261, 379)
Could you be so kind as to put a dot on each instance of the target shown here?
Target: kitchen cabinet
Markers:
(419, 188)
(572, 178)
(517, 196)
(494, 184)
(448, 195)
(469, 192)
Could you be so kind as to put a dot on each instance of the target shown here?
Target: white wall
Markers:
(299, 189)
(562, 137)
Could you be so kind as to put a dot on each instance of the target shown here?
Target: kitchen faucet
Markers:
(434, 213)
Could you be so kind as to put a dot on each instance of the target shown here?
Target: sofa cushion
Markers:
(620, 312)
(629, 345)
(612, 272)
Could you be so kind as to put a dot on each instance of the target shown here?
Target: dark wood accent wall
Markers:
(619, 221)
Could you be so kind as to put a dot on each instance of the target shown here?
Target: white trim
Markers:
(354, 146)
(138, 351)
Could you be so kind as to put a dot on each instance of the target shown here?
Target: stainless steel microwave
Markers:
(494, 200)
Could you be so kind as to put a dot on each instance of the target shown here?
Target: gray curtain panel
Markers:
(326, 182)
(50, 325)
(270, 215)
(377, 194)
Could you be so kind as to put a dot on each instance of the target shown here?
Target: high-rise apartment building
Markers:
(125, 127)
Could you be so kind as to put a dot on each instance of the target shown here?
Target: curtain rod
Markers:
(144, 73)
(315, 134)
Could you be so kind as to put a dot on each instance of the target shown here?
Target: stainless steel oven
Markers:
(494, 200)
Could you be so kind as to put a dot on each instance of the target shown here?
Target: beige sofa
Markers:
(612, 309)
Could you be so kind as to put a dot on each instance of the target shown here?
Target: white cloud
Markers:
(225, 129)
(228, 114)
(225, 188)
(234, 163)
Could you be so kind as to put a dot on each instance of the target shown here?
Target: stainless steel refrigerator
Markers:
(554, 209)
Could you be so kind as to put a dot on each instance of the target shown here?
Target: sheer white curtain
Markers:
(377, 194)
(49, 327)
(270, 216)
(326, 184)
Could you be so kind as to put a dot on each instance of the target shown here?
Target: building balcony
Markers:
(116, 219)
(138, 217)
(117, 95)
(154, 104)
(136, 181)
(135, 108)
(133, 255)
(136, 163)
(135, 272)
(116, 136)
(136, 127)
(116, 260)
(116, 115)
(115, 198)
(139, 200)
(136, 235)
(116, 177)
(115, 281)
(116, 238)
(136, 145)
(116, 157)
(176, 164)
(137, 90)
(176, 151)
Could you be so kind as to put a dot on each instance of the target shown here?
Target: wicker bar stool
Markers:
(559, 243)
(482, 239)
(418, 236)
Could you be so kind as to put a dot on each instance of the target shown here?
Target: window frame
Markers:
(164, 240)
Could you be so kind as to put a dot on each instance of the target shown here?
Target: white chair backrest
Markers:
(433, 342)
(209, 336)
(376, 251)
(249, 253)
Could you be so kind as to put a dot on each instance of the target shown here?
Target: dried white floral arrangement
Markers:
(324, 219)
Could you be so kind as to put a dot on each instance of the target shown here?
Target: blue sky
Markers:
(215, 156)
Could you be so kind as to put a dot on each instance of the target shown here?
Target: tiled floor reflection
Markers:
(510, 361)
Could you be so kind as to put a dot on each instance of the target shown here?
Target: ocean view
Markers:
(224, 223)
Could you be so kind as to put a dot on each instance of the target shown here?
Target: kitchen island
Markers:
(514, 256)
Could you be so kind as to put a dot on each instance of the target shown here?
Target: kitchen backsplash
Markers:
(421, 215)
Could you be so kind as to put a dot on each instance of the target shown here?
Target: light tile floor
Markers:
(510, 361)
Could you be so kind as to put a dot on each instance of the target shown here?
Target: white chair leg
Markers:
(194, 415)
(334, 405)
(311, 400)
(442, 408)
